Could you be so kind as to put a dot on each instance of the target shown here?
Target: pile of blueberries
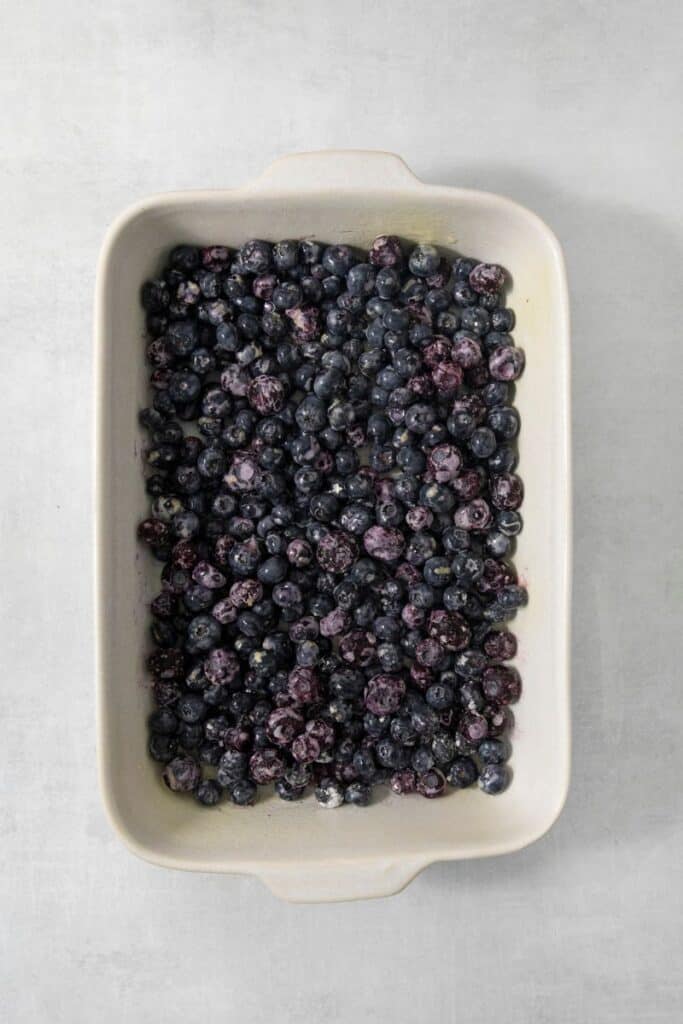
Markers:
(332, 456)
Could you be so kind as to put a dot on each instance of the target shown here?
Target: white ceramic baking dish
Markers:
(303, 852)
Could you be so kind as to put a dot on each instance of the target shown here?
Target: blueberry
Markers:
(404, 781)
(338, 259)
(286, 791)
(285, 254)
(494, 778)
(360, 279)
(502, 320)
(255, 256)
(162, 748)
(424, 260)
(506, 363)
(497, 544)
(182, 774)
(463, 295)
(357, 793)
(462, 773)
(493, 751)
(389, 753)
(242, 792)
(385, 251)
(503, 460)
(509, 522)
(476, 320)
(329, 793)
(191, 708)
(439, 696)
(437, 571)
(203, 633)
(486, 278)
(482, 442)
(431, 783)
(443, 749)
(185, 258)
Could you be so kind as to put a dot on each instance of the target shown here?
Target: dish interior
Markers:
(275, 837)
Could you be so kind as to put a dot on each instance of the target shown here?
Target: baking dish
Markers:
(301, 851)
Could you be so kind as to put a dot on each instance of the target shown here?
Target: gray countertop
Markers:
(572, 109)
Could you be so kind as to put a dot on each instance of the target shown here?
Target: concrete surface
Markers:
(574, 109)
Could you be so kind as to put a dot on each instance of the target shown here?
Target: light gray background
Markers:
(573, 109)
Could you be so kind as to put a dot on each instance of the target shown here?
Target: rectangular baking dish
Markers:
(303, 852)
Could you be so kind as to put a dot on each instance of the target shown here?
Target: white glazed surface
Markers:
(301, 851)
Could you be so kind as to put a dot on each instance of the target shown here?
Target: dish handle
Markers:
(320, 883)
(344, 169)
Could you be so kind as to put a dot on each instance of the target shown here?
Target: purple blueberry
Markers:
(501, 684)
(384, 543)
(235, 380)
(337, 552)
(486, 278)
(266, 394)
(243, 473)
(447, 377)
(154, 532)
(283, 725)
(221, 666)
(468, 484)
(384, 693)
(306, 748)
(431, 783)
(182, 774)
(506, 363)
(263, 286)
(437, 351)
(450, 629)
(500, 645)
(419, 517)
(334, 623)
(507, 491)
(358, 647)
(429, 652)
(245, 593)
(215, 257)
(305, 322)
(475, 515)
(266, 766)
(473, 726)
(444, 462)
(303, 685)
(322, 731)
(404, 781)
(467, 351)
(300, 553)
(413, 616)
(385, 251)
(208, 576)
